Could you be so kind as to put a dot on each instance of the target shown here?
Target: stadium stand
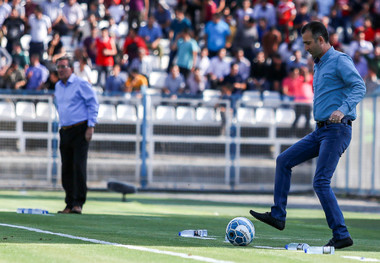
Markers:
(25, 110)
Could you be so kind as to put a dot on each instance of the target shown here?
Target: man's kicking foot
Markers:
(268, 219)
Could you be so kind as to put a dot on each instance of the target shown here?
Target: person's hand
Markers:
(89, 133)
(336, 116)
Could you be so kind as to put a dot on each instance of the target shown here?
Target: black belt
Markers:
(325, 123)
(74, 125)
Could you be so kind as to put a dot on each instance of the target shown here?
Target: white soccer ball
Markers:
(240, 231)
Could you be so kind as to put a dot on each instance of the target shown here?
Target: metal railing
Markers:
(182, 144)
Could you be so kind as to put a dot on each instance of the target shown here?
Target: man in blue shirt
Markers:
(77, 106)
(338, 88)
(115, 82)
(216, 33)
(36, 74)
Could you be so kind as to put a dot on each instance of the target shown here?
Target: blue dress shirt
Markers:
(337, 86)
(76, 101)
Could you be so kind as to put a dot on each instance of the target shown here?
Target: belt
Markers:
(325, 123)
(74, 125)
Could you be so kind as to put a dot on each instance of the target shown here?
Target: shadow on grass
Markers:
(184, 202)
(162, 230)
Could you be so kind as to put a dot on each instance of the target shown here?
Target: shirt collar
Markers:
(69, 80)
(325, 56)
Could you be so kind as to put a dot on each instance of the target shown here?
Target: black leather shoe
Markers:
(341, 243)
(65, 211)
(76, 210)
(268, 219)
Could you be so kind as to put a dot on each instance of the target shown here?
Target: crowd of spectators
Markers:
(226, 45)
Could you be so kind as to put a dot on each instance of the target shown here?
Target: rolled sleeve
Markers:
(91, 101)
(353, 82)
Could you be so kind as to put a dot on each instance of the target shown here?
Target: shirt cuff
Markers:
(344, 109)
(91, 124)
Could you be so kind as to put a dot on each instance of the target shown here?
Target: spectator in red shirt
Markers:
(132, 44)
(105, 48)
(286, 13)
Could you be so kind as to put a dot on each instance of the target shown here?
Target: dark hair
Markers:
(69, 60)
(38, 9)
(317, 29)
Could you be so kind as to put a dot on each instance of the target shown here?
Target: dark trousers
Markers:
(36, 48)
(302, 109)
(74, 148)
(328, 144)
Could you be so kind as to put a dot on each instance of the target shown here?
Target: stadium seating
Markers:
(271, 99)
(245, 116)
(107, 113)
(25, 110)
(211, 96)
(67, 43)
(185, 114)
(252, 98)
(126, 112)
(25, 40)
(165, 45)
(205, 114)
(265, 116)
(46, 111)
(165, 113)
(123, 29)
(285, 117)
(157, 79)
(94, 76)
(7, 110)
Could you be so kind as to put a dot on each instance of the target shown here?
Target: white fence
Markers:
(182, 144)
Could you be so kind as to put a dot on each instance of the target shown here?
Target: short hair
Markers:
(38, 9)
(69, 60)
(317, 29)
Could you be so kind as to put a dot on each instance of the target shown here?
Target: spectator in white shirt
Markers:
(54, 12)
(203, 62)
(116, 11)
(82, 69)
(72, 18)
(5, 10)
(40, 27)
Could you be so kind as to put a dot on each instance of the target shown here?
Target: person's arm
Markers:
(222, 5)
(91, 101)
(128, 85)
(146, 10)
(4, 29)
(352, 81)
(112, 51)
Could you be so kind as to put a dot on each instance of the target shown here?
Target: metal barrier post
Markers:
(374, 141)
(144, 177)
(232, 145)
(54, 170)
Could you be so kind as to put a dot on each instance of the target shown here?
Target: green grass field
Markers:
(149, 224)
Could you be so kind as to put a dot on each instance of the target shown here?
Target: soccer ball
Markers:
(240, 231)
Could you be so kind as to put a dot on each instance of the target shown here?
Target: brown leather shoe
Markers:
(65, 211)
(76, 210)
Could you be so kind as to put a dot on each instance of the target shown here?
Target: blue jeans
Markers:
(328, 143)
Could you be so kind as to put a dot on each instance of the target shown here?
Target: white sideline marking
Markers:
(96, 241)
(268, 247)
(362, 258)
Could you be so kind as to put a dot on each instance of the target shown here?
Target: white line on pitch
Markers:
(96, 241)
